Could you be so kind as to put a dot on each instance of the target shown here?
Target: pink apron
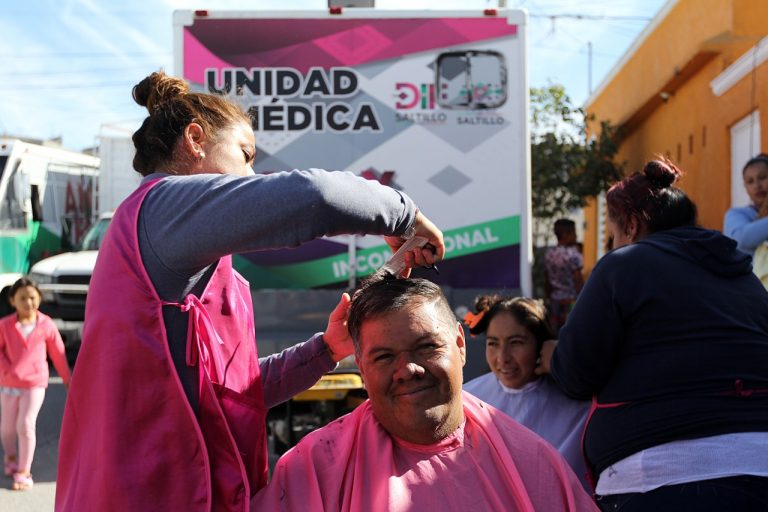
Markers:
(130, 440)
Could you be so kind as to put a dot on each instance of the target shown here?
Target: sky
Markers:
(67, 66)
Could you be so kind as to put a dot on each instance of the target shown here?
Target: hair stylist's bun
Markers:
(158, 89)
(661, 173)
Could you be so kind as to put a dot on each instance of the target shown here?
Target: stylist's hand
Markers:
(545, 357)
(428, 255)
(336, 335)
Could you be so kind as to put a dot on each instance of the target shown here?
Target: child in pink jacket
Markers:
(25, 338)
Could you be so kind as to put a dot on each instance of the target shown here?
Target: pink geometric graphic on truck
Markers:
(354, 46)
(197, 58)
(251, 43)
(443, 33)
(474, 30)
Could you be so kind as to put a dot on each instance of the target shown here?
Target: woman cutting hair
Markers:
(167, 407)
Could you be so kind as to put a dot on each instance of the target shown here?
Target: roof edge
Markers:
(639, 40)
(740, 68)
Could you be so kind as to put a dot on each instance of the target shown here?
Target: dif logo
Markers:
(384, 177)
(410, 96)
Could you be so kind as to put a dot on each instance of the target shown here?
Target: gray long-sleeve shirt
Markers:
(187, 223)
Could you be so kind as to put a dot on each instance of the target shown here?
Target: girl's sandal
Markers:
(22, 482)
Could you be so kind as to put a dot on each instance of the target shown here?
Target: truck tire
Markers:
(5, 306)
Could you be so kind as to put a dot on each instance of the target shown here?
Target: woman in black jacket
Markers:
(669, 337)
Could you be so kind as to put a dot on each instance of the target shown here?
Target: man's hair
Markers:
(563, 227)
(379, 296)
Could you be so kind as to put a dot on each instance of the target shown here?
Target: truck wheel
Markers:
(5, 306)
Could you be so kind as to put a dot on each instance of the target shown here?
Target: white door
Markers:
(745, 143)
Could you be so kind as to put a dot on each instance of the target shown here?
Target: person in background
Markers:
(419, 442)
(167, 407)
(515, 329)
(670, 339)
(748, 225)
(27, 337)
(563, 266)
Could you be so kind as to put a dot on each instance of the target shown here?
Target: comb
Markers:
(396, 263)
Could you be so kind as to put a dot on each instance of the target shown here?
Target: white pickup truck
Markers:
(64, 278)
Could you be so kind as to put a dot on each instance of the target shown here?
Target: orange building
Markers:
(693, 87)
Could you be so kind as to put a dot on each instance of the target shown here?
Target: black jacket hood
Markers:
(707, 248)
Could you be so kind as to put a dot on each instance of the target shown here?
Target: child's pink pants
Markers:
(18, 415)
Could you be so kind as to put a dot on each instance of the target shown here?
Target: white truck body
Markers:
(434, 103)
(117, 177)
(46, 204)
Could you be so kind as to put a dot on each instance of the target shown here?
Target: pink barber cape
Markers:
(490, 463)
(130, 440)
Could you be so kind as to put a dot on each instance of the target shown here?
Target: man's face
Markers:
(411, 362)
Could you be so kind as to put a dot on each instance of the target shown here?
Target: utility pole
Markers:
(589, 68)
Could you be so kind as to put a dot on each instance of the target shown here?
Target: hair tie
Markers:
(472, 319)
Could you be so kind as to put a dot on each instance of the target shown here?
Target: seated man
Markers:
(419, 441)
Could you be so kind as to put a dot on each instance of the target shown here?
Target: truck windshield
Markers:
(92, 239)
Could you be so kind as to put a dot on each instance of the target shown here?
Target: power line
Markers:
(3, 87)
(577, 50)
(44, 14)
(18, 74)
(111, 55)
(592, 17)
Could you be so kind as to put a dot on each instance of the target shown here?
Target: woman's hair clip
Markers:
(472, 319)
